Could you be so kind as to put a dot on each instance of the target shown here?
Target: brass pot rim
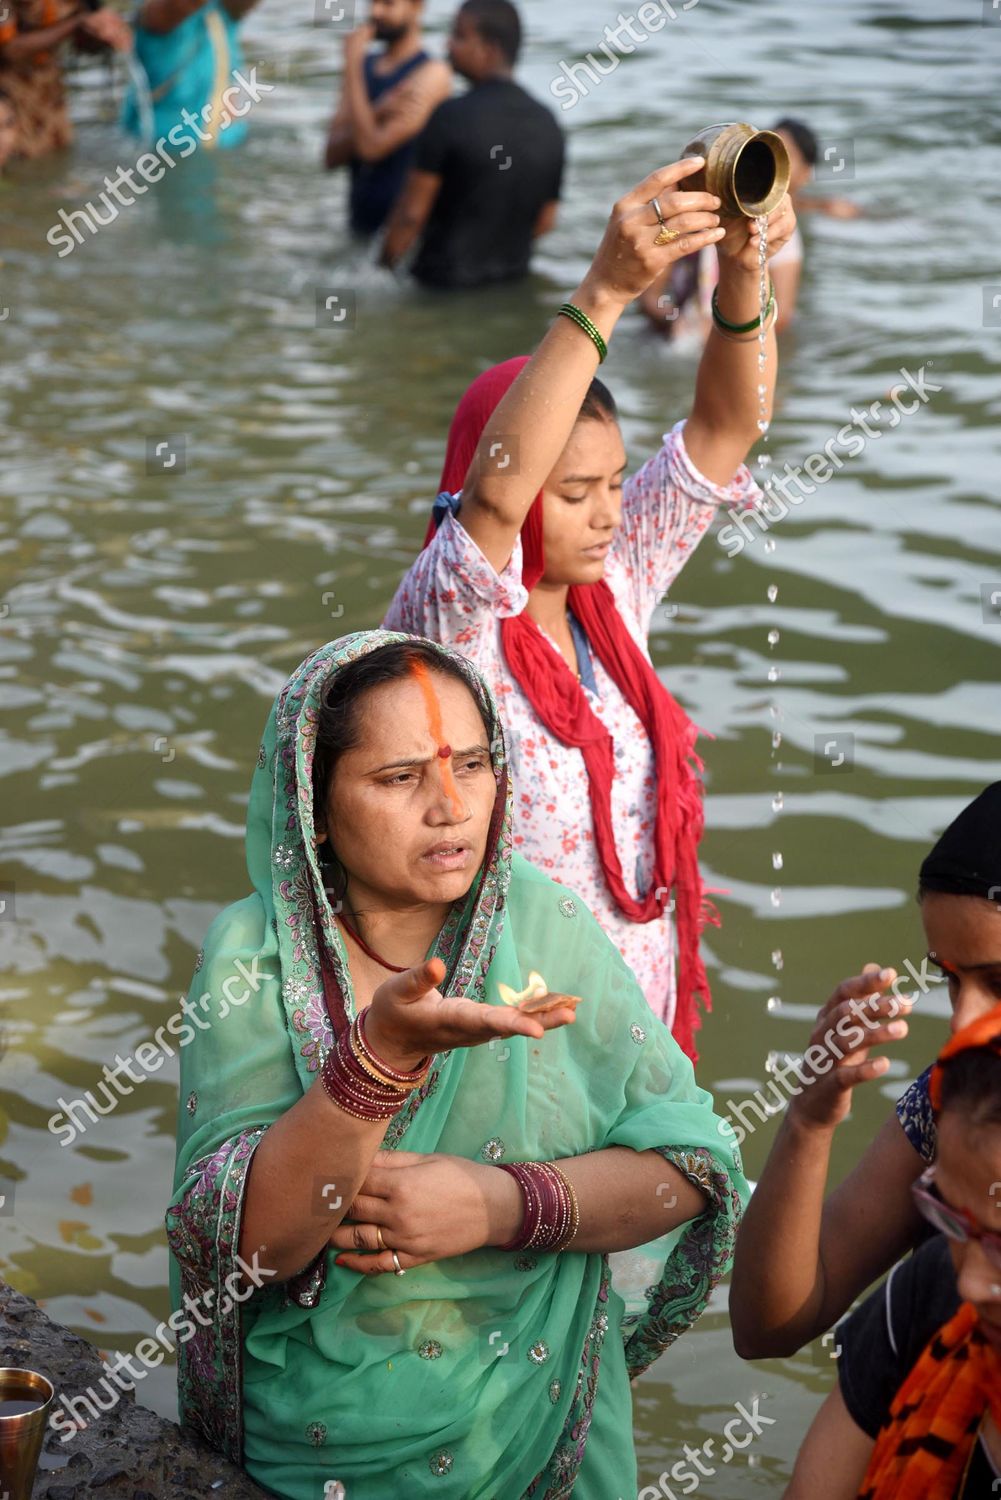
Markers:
(781, 183)
(30, 1382)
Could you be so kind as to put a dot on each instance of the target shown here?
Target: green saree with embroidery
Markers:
(486, 1375)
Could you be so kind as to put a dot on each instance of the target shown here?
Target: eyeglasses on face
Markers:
(955, 1223)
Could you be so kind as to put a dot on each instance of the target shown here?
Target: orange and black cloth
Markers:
(893, 1351)
(915, 1370)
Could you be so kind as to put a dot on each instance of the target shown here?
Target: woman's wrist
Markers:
(601, 304)
(390, 1052)
(738, 295)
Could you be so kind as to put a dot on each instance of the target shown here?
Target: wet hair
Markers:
(804, 137)
(599, 404)
(971, 1084)
(497, 22)
(338, 723)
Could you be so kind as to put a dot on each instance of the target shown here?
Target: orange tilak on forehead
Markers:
(436, 730)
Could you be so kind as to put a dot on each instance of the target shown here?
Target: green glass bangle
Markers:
(571, 311)
(719, 319)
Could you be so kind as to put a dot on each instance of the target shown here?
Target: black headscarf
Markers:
(966, 861)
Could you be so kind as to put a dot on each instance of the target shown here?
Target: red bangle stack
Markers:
(552, 1215)
(360, 1083)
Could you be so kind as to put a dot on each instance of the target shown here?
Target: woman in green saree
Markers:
(474, 1371)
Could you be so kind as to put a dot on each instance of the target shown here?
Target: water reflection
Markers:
(151, 615)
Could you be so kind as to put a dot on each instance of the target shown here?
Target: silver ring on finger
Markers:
(397, 1268)
(655, 205)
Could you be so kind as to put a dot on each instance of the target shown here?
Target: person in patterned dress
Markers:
(547, 566)
(32, 34)
(802, 1261)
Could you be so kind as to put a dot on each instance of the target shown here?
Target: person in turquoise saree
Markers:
(473, 1372)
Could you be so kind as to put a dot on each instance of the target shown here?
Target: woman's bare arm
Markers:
(529, 428)
(801, 1262)
(625, 1197)
(834, 1456)
(27, 43)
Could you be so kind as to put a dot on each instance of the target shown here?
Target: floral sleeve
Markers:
(452, 594)
(917, 1120)
(667, 508)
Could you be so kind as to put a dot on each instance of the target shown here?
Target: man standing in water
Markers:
(487, 172)
(386, 100)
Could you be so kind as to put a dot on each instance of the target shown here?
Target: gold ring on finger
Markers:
(379, 1238)
(667, 235)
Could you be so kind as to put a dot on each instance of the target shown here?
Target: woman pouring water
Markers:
(546, 567)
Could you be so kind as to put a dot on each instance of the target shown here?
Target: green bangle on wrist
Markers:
(572, 311)
(750, 327)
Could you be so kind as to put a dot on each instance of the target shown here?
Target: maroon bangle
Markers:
(363, 1046)
(551, 1216)
(354, 1089)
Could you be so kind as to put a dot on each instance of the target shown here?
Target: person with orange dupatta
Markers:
(544, 567)
(916, 1414)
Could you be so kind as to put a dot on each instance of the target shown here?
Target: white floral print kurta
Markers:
(453, 595)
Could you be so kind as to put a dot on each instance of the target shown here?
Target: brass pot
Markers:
(25, 1398)
(747, 169)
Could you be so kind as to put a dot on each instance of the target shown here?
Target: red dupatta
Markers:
(560, 702)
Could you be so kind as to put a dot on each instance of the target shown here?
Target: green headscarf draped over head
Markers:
(285, 869)
(480, 1375)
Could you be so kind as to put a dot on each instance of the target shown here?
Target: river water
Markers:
(148, 617)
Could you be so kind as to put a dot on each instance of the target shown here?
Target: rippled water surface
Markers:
(147, 619)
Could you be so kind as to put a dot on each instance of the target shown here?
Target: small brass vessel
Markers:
(747, 169)
(25, 1398)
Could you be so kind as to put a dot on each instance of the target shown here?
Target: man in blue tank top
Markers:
(386, 100)
(488, 168)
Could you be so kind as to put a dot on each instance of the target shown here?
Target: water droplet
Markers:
(773, 638)
(777, 958)
(776, 738)
(764, 459)
(776, 861)
(769, 544)
(774, 674)
(774, 710)
(762, 390)
(763, 424)
(776, 897)
(774, 1003)
(773, 592)
(778, 802)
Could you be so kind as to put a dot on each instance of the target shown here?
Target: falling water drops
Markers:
(776, 860)
(776, 897)
(778, 802)
(776, 738)
(773, 592)
(769, 544)
(774, 674)
(777, 960)
(773, 637)
(774, 1003)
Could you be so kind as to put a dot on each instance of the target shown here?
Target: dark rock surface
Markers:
(128, 1453)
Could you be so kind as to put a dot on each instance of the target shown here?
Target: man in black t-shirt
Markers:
(488, 168)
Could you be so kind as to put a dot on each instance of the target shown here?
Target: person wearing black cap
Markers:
(802, 1260)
